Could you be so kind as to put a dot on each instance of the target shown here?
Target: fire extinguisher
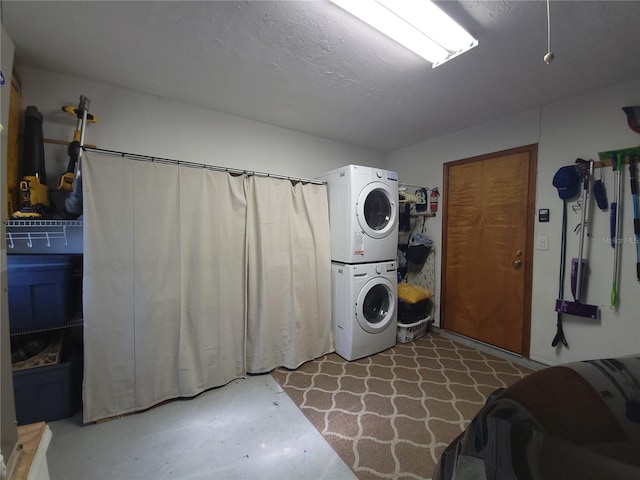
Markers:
(433, 200)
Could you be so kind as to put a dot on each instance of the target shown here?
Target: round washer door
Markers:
(375, 305)
(376, 210)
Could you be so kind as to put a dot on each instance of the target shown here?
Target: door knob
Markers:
(517, 263)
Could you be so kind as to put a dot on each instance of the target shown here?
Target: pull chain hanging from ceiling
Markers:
(549, 56)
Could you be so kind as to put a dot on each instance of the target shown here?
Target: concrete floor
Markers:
(248, 429)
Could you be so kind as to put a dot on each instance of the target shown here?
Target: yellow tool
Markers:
(35, 198)
(81, 112)
(33, 186)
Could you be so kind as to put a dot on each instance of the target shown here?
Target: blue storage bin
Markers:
(48, 393)
(42, 290)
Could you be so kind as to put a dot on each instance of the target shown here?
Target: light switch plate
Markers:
(542, 242)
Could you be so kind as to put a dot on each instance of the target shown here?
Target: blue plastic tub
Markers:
(45, 394)
(42, 290)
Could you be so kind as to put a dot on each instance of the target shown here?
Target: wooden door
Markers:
(489, 204)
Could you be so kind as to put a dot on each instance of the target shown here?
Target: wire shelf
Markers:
(36, 230)
(44, 223)
(75, 322)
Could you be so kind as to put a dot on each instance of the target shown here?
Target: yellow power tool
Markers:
(81, 112)
(35, 198)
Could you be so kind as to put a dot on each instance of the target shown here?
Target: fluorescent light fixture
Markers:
(418, 25)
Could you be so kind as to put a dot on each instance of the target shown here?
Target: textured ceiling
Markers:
(310, 67)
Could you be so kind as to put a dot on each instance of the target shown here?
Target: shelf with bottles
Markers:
(415, 202)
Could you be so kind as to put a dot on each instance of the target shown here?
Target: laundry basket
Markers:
(412, 331)
(418, 249)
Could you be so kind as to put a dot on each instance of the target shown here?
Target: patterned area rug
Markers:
(392, 414)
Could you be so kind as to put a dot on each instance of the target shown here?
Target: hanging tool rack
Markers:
(605, 158)
(412, 191)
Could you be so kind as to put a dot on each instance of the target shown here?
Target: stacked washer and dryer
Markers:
(363, 217)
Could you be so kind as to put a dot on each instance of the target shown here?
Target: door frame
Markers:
(532, 149)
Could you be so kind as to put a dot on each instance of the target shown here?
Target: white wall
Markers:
(578, 127)
(139, 123)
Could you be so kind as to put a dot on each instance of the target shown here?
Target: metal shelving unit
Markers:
(44, 237)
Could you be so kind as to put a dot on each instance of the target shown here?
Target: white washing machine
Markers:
(363, 214)
(363, 312)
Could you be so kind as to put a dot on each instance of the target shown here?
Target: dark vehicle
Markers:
(578, 421)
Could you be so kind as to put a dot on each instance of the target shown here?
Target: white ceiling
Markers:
(310, 67)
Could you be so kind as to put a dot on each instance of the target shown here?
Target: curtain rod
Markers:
(237, 171)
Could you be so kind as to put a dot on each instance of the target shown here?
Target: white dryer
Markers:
(363, 312)
(363, 214)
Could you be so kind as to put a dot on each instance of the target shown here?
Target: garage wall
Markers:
(139, 123)
(578, 127)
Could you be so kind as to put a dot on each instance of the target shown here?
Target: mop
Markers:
(579, 265)
(616, 225)
(636, 219)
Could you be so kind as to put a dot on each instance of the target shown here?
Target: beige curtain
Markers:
(289, 274)
(193, 277)
(163, 285)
